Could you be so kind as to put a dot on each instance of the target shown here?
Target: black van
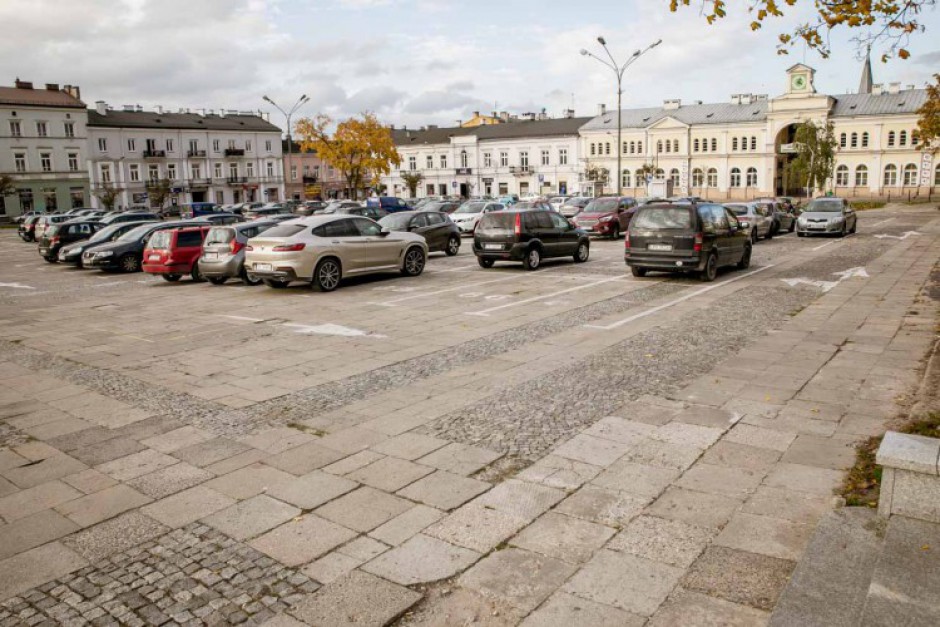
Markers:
(686, 237)
(528, 236)
(59, 235)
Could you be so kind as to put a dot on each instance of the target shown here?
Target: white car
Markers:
(558, 201)
(467, 215)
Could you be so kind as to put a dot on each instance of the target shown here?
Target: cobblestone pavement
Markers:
(471, 447)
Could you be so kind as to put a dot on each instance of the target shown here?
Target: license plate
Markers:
(43, 251)
(262, 267)
(662, 247)
(493, 246)
(211, 256)
(153, 258)
(816, 227)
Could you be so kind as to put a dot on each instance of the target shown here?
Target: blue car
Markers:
(197, 209)
(391, 204)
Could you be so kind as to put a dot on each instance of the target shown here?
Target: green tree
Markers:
(928, 126)
(816, 155)
(159, 192)
(7, 185)
(108, 194)
(412, 180)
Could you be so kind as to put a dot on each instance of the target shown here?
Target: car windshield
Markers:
(397, 221)
(135, 234)
(220, 235)
(160, 240)
(434, 206)
(663, 218)
(104, 234)
(739, 210)
(52, 230)
(601, 205)
(824, 205)
(471, 207)
(284, 230)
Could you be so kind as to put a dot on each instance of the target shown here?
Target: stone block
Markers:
(711, 511)
(566, 610)
(520, 498)
(330, 567)
(188, 506)
(683, 604)
(37, 566)
(798, 507)
(302, 540)
(734, 455)
(277, 440)
(916, 495)
(765, 535)
(593, 450)
(89, 481)
(305, 458)
(638, 479)
(478, 528)
(684, 434)
(31, 500)
(409, 446)
(520, 578)
(625, 581)
(170, 480)
(252, 517)
(821, 481)
(836, 452)
(421, 559)
(210, 451)
(352, 440)
(663, 454)
(600, 505)
(460, 459)
(620, 430)
(136, 464)
(353, 462)
(312, 490)
(356, 599)
(364, 509)
(564, 537)
(760, 437)
(177, 439)
(250, 481)
(916, 453)
(661, 540)
(363, 548)
(739, 577)
(43, 470)
(94, 508)
(113, 536)
(31, 531)
(559, 472)
(390, 473)
(444, 490)
(405, 525)
(737, 483)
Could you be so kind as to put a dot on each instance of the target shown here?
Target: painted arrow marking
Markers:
(17, 286)
(905, 235)
(825, 286)
(331, 329)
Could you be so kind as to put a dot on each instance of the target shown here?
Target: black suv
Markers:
(130, 216)
(127, 251)
(438, 230)
(59, 235)
(686, 237)
(528, 236)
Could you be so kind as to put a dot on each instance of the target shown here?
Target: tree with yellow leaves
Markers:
(928, 125)
(361, 148)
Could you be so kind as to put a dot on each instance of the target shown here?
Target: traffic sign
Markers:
(541, 178)
(453, 184)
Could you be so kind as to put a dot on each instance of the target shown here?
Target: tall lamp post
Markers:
(619, 71)
(290, 140)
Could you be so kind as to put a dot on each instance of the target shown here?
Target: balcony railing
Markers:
(154, 154)
(236, 180)
(195, 153)
(519, 169)
(234, 152)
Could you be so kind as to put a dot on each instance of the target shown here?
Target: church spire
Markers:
(864, 86)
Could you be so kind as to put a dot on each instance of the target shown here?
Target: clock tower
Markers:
(800, 80)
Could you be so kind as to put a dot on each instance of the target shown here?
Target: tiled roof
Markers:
(907, 102)
(717, 113)
(38, 98)
(507, 130)
(440, 135)
(186, 121)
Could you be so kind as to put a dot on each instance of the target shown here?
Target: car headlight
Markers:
(836, 219)
(745, 224)
(106, 253)
(606, 219)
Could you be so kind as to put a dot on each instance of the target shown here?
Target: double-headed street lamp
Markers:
(619, 70)
(290, 140)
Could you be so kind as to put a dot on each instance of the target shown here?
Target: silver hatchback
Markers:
(223, 252)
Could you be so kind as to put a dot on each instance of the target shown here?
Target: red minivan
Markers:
(171, 253)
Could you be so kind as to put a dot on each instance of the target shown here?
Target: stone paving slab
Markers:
(31, 531)
(520, 578)
(421, 559)
(661, 540)
(302, 540)
(625, 581)
(188, 506)
(476, 527)
(740, 577)
(115, 535)
(444, 490)
(685, 606)
(364, 509)
(566, 610)
(98, 506)
(357, 599)
(251, 517)
(563, 537)
(36, 566)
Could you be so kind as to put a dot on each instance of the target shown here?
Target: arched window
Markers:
(626, 179)
(607, 148)
(842, 140)
(674, 175)
(910, 175)
(704, 145)
(752, 177)
(734, 143)
(735, 177)
(698, 177)
(891, 175)
(623, 149)
(695, 146)
(842, 176)
(936, 175)
(753, 143)
(675, 145)
(861, 176)
(915, 138)
(668, 146)
(660, 174)
(890, 138)
(632, 147)
(593, 148)
(659, 146)
(903, 139)
(865, 139)
(854, 143)
(714, 145)
(639, 147)
(712, 180)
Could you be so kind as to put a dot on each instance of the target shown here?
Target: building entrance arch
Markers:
(785, 183)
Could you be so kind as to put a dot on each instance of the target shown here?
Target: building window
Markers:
(293, 173)
(659, 146)
(735, 177)
(193, 145)
(231, 144)
(891, 175)
(26, 200)
(734, 143)
(105, 173)
(593, 146)
(217, 170)
(464, 159)
(102, 144)
(562, 156)
(412, 163)
(270, 168)
(842, 176)
(267, 145)
(936, 176)
(668, 146)
(42, 130)
(429, 162)
(675, 145)
(854, 143)
(546, 158)
(195, 171)
(153, 172)
(625, 182)
(216, 145)
(524, 158)
(712, 177)
(698, 177)
(890, 139)
(607, 148)
(70, 129)
(865, 139)
(131, 145)
(247, 145)
(45, 161)
(443, 162)
(903, 139)
(73, 161)
(660, 174)
(16, 129)
(714, 145)
(674, 175)
(233, 171)
(632, 147)
(843, 140)
(171, 171)
(169, 145)
(77, 195)
(861, 176)
(250, 169)
(134, 171)
(753, 143)
(695, 145)
(504, 159)
(639, 147)
(19, 161)
(915, 138)
(910, 175)
(49, 198)
(752, 177)
(487, 159)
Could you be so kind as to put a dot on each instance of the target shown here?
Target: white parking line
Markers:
(676, 301)
(245, 318)
(394, 301)
(821, 246)
(882, 222)
(487, 312)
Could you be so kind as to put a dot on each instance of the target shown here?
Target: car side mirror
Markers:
(572, 224)
(384, 232)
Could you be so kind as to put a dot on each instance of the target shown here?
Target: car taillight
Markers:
(54, 241)
(626, 239)
(517, 229)
(288, 248)
(249, 247)
(697, 244)
(237, 246)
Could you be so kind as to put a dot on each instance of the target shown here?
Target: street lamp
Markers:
(619, 71)
(290, 141)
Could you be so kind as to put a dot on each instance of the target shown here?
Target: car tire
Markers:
(854, 227)
(843, 231)
(171, 278)
(638, 272)
(533, 259)
(247, 279)
(583, 253)
(218, 280)
(792, 226)
(453, 245)
(195, 275)
(615, 233)
(275, 284)
(327, 275)
(770, 234)
(800, 234)
(485, 263)
(129, 263)
(711, 269)
(414, 262)
(745, 261)
(51, 259)
(753, 235)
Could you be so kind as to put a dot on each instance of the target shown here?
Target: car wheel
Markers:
(218, 280)
(249, 279)
(792, 226)
(770, 234)
(615, 233)
(533, 259)
(753, 235)
(453, 246)
(171, 278)
(129, 263)
(584, 251)
(711, 269)
(745, 261)
(274, 283)
(485, 263)
(327, 274)
(854, 226)
(195, 275)
(842, 232)
(414, 262)
(638, 272)
(51, 259)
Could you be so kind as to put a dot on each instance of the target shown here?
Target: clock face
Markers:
(798, 81)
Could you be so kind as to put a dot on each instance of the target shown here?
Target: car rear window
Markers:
(284, 230)
(601, 205)
(663, 218)
(219, 235)
(739, 210)
(160, 240)
(497, 223)
(189, 239)
(395, 221)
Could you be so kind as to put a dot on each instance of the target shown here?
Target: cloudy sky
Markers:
(411, 61)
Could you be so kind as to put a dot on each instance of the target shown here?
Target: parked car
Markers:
(468, 214)
(755, 217)
(72, 253)
(528, 236)
(220, 218)
(196, 209)
(174, 252)
(58, 235)
(47, 220)
(390, 204)
(783, 218)
(420, 203)
(609, 216)
(27, 228)
(269, 209)
(573, 206)
(223, 251)
(373, 213)
(127, 251)
(323, 250)
(827, 216)
(29, 214)
(444, 206)
(558, 201)
(115, 218)
(507, 200)
(309, 207)
(336, 205)
(686, 237)
(438, 230)
(540, 205)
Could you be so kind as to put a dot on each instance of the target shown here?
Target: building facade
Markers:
(743, 148)
(527, 155)
(309, 177)
(43, 143)
(222, 157)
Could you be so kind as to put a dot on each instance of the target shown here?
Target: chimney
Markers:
(735, 99)
(221, 113)
(877, 89)
(671, 105)
(476, 114)
(601, 109)
(894, 88)
(528, 116)
(128, 107)
(569, 113)
(504, 116)
(745, 99)
(432, 126)
(159, 109)
(139, 108)
(23, 84)
(101, 107)
(52, 87)
(201, 112)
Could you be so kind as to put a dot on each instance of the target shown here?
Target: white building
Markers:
(223, 157)
(531, 154)
(42, 148)
(742, 148)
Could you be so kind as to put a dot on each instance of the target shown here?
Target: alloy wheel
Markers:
(328, 275)
(414, 262)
